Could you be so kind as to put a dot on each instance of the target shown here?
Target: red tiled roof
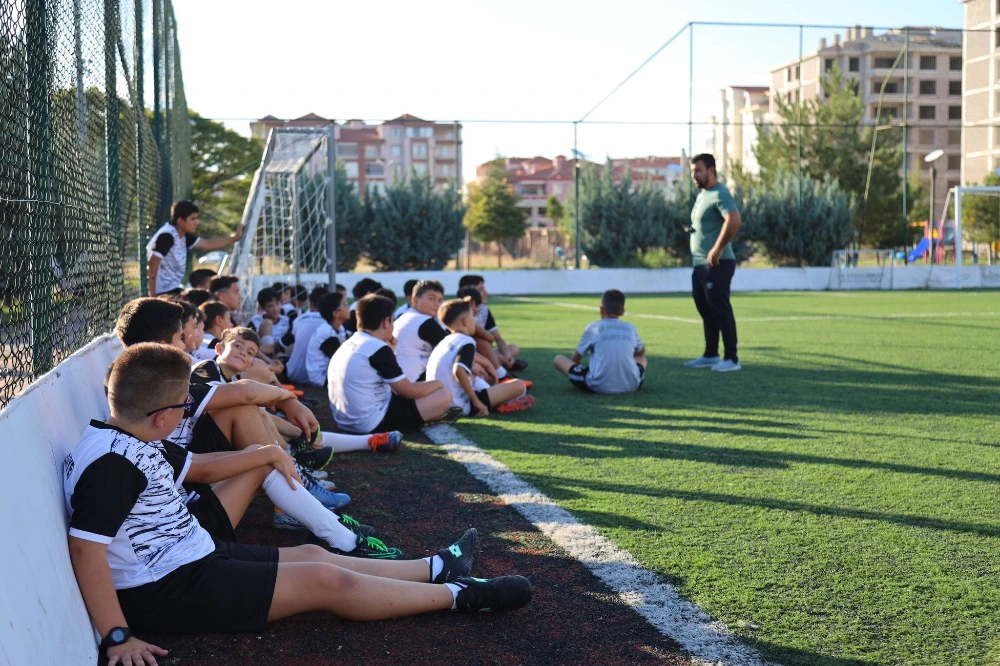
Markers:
(313, 116)
(367, 135)
(407, 118)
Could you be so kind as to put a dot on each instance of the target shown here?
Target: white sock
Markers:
(455, 589)
(436, 564)
(308, 510)
(501, 372)
(342, 443)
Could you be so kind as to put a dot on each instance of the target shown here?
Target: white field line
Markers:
(739, 320)
(710, 642)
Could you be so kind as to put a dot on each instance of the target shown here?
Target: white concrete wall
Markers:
(42, 616)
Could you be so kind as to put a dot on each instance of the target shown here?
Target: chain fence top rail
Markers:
(86, 169)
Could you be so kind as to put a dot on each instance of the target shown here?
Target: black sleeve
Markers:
(105, 494)
(431, 332)
(385, 364)
(190, 240)
(351, 325)
(163, 243)
(176, 456)
(490, 323)
(330, 346)
(467, 355)
(288, 339)
(205, 373)
(200, 393)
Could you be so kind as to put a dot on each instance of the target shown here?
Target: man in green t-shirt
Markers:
(714, 222)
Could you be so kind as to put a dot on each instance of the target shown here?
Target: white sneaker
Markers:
(318, 474)
(727, 366)
(702, 362)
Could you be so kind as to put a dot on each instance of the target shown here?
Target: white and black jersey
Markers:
(206, 352)
(484, 318)
(210, 372)
(202, 394)
(416, 337)
(323, 344)
(456, 349)
(278, 329)
(358, 382)
(303, 329)
(126, 494)
(172, 248)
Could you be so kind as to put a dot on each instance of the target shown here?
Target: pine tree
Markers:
(493, 214)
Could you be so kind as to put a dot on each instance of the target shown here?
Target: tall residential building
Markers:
(932, 95)
(375, 155)
(733, 131)
(981, 93)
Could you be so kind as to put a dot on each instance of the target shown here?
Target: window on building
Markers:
(888, 112)
(444, 152)
(397, 151)
(955, 137)
(372, 150)
(828, 65)
(955, 63)
(420, 132)
(926, 137)
(444, 170)
(347, 150)
(954, 113)
(557, 188)
(854, 65)
(928, 63)
(891, 87)
(798, 72)
(419, 151)
(928, 112)
(796, 95)
(955, 88)
(420, 168)
(882, 62)
(928, 88)
(954, 163)
(788, 74)
(352, 169)
(375, 170)
(446, 136)
(396, 132)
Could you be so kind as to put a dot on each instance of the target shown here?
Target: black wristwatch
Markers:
(116, 636)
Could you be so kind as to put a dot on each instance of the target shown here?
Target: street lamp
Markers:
(931, 158)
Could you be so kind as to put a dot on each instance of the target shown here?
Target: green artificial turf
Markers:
(834, 503)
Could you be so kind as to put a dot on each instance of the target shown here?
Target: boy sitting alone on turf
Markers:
(144, 563)
(327, 339)
(617, 355)
(368, 390)
(452, 360)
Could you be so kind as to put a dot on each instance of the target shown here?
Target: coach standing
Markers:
(714, 222)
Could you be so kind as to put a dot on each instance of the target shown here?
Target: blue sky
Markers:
(514, 60)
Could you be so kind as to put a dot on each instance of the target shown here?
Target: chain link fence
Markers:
(86, 169)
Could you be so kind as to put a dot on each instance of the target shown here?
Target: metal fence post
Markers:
(112, 147)
(331, 196)
(140, 120)
(576, 193)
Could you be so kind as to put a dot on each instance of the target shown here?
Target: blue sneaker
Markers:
(327, 498)
(386, 442)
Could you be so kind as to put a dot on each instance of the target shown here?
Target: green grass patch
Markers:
(834, 503)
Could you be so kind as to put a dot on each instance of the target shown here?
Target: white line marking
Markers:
(711, 643)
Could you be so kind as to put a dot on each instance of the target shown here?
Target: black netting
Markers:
(79, 193)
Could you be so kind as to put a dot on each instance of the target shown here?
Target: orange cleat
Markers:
(519, 405)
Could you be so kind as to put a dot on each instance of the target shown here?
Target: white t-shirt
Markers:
(358, 382)
(416, 336)
(484, 318)
(279, 328)
(322, 346)
(400, 311)
(612, 345)
(303, 329)
(126, 493)
(168, 244)
(455, 349)
(206, 352)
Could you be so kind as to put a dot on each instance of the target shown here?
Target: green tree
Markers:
(493, 214)
(555, 211)
(981, 214)
(836, 144)
(222, 167)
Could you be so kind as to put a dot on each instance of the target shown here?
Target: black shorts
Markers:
(403, 415)
(229, 590)
(205, 505)
(578, 377)
(207, 438)
(484, 397)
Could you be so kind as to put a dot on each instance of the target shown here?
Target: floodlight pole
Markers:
(930, 218)
(576, 193)
(331, 214)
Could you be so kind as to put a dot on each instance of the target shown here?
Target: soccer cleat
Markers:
(453, 414)
(315, 458)
(498, 595)
(386, 442)
(702, 362)
(518, 365)
(282, 521)
(508, 379)
(727, 366)
(516, 405)
(355, 526)
(374, 549)
(458, 557)
(330, 500)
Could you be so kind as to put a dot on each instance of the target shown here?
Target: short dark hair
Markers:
(388, 293)
(613, 302)
(266, 295)
(196, 296)
(190, 311)
(450, 311)
(316, 294)
(408, 287)
(200, 277)
(708, 159)
(145, 377)
(149, 320)
(330, 303)
(340, 287)
(365, 286)
(181, 210)
(471, 293)
(278, 287)
(221, 283)
(424, 286)
(372, 310)
(470, 281)
(212, 311)
(240, 333)
(299, 293)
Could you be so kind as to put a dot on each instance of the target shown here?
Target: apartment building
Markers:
(929, 101)
(375, 155)
(733, 130)
(981, 93)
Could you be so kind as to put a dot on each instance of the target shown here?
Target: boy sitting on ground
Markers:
(362, 288)
(303, 329)
(408, 296)
(488, 333)
(452, 360)
(368, 390)
(327, 339)
(144, 563)
(418, 331)
(271, 325)
(617, 355)
(217, 321)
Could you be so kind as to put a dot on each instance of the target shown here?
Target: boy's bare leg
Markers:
(244, 425)
(237, 492)
(506, 392)
(285, 429)
(433, 406)
(562, 364)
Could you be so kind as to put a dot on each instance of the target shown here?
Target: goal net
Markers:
(289, 216)
(862, 269)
